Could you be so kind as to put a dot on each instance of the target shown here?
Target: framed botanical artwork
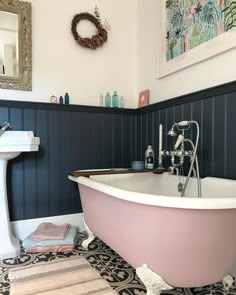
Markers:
(143, 98)
(190, 31)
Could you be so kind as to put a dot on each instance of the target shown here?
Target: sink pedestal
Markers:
(9, 245)
(12, 143)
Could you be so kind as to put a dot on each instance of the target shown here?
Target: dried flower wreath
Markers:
(96, 40)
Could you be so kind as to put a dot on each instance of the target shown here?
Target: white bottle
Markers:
(149, 158)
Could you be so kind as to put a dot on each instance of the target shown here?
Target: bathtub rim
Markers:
(158, 200)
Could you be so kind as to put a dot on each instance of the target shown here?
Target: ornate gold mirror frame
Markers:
(24, 79)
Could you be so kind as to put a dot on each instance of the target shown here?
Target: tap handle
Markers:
(7, 124)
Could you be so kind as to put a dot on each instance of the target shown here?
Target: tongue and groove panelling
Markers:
(82, 137)
(215, 111)
(71, 138)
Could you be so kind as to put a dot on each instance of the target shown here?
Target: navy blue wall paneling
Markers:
(230, 135)
(71, 138)
(214, 110)
(117, 140)
(83, 137)
(218, 130)
(107, 136)
(207, 138)
(30, 169)
(42, 163)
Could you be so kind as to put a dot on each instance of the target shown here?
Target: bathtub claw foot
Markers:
(152, 281)
(227, 282)
(90, 238)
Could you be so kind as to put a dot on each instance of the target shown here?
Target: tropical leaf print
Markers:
(230, 15)
(190, 23)
(198, 9)
(210, 14)
(177, 19)
(169, 3)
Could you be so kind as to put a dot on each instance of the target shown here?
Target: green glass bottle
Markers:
(67, 98)
(107, 100)
(115, 100)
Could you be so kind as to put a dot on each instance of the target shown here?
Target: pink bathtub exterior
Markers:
(186, 247)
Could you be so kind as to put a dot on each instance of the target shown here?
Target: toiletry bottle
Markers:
(115, 100)
(149, 158)
(67, 98)
(61, 100)
(122, 102)
(108, 100)
(53, 99)
(101, 100)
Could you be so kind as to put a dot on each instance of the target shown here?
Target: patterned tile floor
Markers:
(112, 267)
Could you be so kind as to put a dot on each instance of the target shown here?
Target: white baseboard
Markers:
(22, 228)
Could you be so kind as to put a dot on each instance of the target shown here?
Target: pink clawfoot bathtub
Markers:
(172, 241)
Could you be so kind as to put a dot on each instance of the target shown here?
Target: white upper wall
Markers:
(60, 65)
(217, 70)
(126, 63)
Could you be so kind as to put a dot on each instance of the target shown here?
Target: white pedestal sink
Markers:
(12, 143)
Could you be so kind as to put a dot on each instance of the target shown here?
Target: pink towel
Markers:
(50, 231)
(64, 248)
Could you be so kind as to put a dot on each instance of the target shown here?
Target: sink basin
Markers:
(12, 143)
(18, 141)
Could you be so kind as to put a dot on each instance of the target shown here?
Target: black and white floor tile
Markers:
(120, 275)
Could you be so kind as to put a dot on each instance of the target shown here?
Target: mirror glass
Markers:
(9, 50)
(15, 45)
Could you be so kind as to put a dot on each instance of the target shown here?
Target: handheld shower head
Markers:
(184, 123)
(179, 140)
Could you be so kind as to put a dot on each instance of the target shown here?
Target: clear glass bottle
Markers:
(101, 100)
(107, 100)
(122, 102)
(115, 100)
(53, 99)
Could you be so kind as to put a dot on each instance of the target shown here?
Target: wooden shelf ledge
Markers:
(113, 171)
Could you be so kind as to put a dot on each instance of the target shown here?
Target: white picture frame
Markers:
(222, 43)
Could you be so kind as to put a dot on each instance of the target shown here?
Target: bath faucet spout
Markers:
(173, 170)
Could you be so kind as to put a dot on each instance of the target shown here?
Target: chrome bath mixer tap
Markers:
(5, 127)
(179, 152)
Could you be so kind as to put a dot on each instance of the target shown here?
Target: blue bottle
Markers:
(107, 100)
(61, 100)
(115, 100)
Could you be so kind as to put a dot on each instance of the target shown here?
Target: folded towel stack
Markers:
(49, 237)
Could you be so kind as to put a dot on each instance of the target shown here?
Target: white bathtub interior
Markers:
(166, 184)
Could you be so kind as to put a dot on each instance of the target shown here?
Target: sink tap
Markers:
(4, 128)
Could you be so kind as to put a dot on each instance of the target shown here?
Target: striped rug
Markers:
(74, 276)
